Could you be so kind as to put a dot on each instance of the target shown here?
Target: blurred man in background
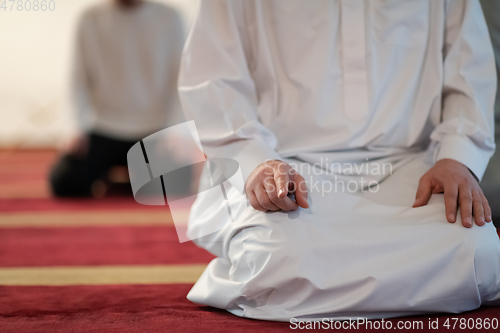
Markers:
(123, 87)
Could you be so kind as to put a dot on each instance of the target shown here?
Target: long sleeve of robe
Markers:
(218, 91)
(465, 133)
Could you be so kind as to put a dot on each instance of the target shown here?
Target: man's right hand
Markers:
(77, 146)
(270, 183)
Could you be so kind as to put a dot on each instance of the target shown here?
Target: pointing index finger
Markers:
(282, 179)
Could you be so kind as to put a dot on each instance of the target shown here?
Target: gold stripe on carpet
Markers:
(100, 275)
(33, 190)
(86, 218)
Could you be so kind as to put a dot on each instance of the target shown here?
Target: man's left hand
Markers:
(460, 188)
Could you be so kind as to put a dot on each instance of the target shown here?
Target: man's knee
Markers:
(66, 180)
(256, 252)
(484, 242)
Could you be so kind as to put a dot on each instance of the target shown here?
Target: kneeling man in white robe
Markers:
(361, 129)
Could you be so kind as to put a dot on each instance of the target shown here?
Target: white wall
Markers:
(35, 50)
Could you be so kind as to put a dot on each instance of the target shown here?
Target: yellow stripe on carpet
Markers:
(32, 190)
(99, 275)
(86, 218)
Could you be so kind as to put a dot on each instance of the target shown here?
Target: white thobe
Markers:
(409, 82)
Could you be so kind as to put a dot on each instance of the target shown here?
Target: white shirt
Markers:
(267, 79)
(125, 69)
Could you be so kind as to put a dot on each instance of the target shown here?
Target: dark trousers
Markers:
(73, 177)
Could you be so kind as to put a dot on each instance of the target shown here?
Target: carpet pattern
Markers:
(111, 265)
